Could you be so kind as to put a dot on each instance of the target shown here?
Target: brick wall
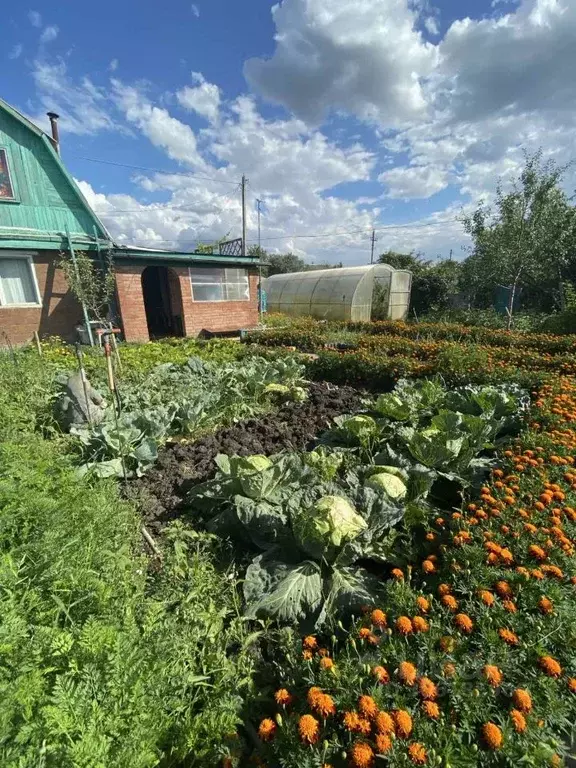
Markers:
(131, 302)
(196, 316)
(59, 314)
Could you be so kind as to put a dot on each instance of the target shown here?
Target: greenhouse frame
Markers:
(344, 293)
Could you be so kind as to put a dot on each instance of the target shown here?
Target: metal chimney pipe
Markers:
(53, 117)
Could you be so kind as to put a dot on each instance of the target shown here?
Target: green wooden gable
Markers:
(39, 200)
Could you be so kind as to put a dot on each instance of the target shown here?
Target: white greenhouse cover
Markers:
(344, 293)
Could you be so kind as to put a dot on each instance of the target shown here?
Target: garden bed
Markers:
(160, 492)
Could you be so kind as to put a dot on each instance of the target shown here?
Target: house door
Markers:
(162, 302)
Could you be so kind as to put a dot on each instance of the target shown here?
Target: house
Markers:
(158, 293)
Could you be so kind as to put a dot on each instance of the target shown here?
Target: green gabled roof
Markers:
(49, 143)
(135, 254)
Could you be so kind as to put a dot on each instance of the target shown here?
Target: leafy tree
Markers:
(432, 284)
(91, 283)
(527, 241)
(284, 263)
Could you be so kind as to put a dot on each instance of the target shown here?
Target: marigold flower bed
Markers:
(470, 658)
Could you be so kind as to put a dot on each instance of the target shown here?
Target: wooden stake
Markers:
(151, 542)
(37, 342)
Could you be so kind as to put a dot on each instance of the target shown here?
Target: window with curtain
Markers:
(6, 188)
(17, 284)
(219, 284)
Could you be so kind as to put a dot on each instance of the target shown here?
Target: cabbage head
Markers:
(247, 464)
(392, 485)
(256, 475)
(330, 523)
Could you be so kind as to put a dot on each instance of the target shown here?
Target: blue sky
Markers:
(344, 114)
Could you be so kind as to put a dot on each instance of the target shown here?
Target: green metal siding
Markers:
(48, 201)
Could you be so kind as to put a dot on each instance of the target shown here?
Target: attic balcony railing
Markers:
(224, 248)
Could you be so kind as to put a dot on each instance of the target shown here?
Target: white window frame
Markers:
(15, 198)
(223, 283)
(10, 256)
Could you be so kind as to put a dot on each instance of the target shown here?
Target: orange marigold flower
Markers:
(417, 753)
(309, 729)
(313, 693)
(428, 566)
(444, 589)
(307, 655)
(267, 729)
(486, 597)
(431, 709)
(378, 618)
(367, 706)
(572, 684)
(492, 735)
(364, 633)
(509, 637)
(310, 643)
(449, 669)
(283, 697)
(362, 755)
(427, 688)
(364, 726)
(536, 552)
(403, 723)
(324, 705)
(404, 625)
(407, 672)
(518, 720)
(447, 643)
(423, 604)
(522, 700)
(397, 574)
(420, 624)
(450, 602)
(381, 674)
(503, 589)
(537, 573)
(326, 663)
(383, 743)
(510, 606)
(464, 623)
(384, 723)
(550, 666)
(351, 720)
(492, 674)
(546, 606)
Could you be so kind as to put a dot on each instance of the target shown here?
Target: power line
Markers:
(152, 170)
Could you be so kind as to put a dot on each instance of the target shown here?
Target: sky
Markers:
(344, 115)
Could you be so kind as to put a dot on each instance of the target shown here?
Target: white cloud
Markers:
(16, 51)
(365, 57)
(164, 131)
(195, 10)
(204, 98)
(49, 34)
(431, 25)
(35, 19)
(83, 107)
(113, 66)
(413, 182)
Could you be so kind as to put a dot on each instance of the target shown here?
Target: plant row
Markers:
(467, 658)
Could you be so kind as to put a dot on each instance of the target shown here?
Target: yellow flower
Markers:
(384, 723)
(427, 689)
(362, 755)
(381, 674)
(431, 709)
(404, 625)
(383, 743)
(407, 672)
(308, 729)
(326, 663)
(283, 697)
(367, 706)
(378, 618)
(420, 624)
(403, 723)
(492, 674)
(423, 604)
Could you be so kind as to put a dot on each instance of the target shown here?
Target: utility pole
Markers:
(260, 307)
(373, 243)
(243, 215)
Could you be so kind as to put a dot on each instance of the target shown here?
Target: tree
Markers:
(91, 283)
(526, 242)
(283, 263)
(432, 284)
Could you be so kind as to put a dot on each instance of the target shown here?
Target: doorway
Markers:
(162, 302)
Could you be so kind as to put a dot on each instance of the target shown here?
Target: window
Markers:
(6, 188)
(18, 282)
(219, 284)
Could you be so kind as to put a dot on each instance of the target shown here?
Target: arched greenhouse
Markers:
(345, 293)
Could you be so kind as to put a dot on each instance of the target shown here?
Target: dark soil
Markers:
(161, 491)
